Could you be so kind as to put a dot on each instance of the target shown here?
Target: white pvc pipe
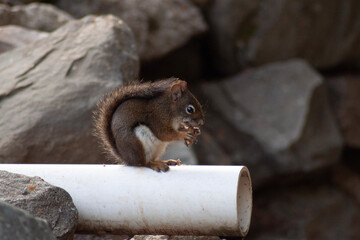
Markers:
(187, 200)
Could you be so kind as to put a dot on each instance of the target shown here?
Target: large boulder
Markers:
(344, 97)
(15, 2)
(275, 119)
(188, 62)
(15, 36)
(38, 16)
(325, 33)
(18, 224)
(49, 89)
(175, 237)
(159, 26)
(314, 211)
(347, 180)
(103, 236)
(41, 200)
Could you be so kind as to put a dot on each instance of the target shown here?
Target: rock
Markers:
(18, 224)
(150, 237)
(159, 26)
(275, 119)
(15, 2)
(347, 180)
(14, 36)
(325, 33)
(231, 25)
(344, 98)
(194, 238)
(312, 212)
(41, 200)
(100, 237)
(186, 62)
(38, 16)
(165, 237)
(49, 89)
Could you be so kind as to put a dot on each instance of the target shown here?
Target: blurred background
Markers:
(279, 81)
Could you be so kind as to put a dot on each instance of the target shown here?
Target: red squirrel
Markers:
(135, 123)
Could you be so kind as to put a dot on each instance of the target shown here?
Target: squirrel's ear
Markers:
(183, 85)
(176, 91)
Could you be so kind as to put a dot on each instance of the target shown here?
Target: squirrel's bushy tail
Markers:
(110, 102)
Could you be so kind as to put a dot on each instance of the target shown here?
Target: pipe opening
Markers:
(244, 201)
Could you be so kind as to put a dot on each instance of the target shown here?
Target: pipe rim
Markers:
(244, 201)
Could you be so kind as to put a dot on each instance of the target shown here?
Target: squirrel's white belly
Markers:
(153, 147)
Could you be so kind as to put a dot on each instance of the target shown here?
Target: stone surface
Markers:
(18, 224)
(347, 180)
(344, 97)
(143, 237)
(41, 200)
(311, 212)
(100, 237)
(325, 33)
(50, 88)
(187, 62)
(150, 237)
(166, 237)
(14, 36)
(15, 2)
(39, 16)
(159, 26)
(275, 119)
(194, 238)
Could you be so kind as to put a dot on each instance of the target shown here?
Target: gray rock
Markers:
(186, 62)
(100, 237)
(38, 16)
(41, 200)
(166, 237)
(347, 180)
(194, 238)
(150, 237)
(311, 212)
(49, 89)
(274, 119)
(159, 26)
(15, 2)
(231, 25)
(344, 98)
(325, 33)
(18, 224)
(15, 36)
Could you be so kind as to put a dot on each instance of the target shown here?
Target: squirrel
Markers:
(136, 122)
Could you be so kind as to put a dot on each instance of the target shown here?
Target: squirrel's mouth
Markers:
(193, 123)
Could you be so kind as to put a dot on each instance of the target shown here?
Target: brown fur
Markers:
(150, 104)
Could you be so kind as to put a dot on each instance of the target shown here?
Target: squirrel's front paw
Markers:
(196, 131)
(172, 162)
(189, 139)
(159, 166)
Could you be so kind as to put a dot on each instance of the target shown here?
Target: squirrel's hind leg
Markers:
(131, 150)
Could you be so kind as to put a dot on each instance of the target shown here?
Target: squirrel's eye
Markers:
(190, 109)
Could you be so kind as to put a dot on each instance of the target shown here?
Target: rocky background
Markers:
(279, 80)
